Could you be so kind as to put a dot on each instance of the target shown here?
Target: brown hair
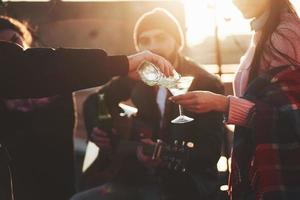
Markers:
(15, 25)
(277, 8)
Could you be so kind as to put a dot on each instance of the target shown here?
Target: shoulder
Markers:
(289, 22)
(7, 48)
(5, 44)
(287, 30)
(286, 37)
(283, 46)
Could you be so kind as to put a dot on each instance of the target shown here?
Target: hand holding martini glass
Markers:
(177, 85)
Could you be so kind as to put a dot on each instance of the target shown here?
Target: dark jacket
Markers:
(42, 72)
(265, 155)
(40, 143)
(205, 131)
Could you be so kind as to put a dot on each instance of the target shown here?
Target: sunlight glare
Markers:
(222, 164)
(297, 5)
(203, 15)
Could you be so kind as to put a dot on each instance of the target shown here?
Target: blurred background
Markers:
(215, 32)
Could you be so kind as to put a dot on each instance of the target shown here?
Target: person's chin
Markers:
(248, 15)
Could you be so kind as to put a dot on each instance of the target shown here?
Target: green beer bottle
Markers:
(105, 121)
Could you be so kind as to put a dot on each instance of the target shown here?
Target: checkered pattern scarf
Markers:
(266, 153)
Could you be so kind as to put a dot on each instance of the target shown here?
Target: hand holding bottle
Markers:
(152, 75)
(137, 59)
(101, 139)
(147, 160)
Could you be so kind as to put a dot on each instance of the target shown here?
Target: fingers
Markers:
(134, 75)
(145, 159)
(187, 96)
(100, 138)
(137, 59)
(165, 66)
(187, 102)
(148, 141)
(98, 132)
(192, 101)
(141, 156)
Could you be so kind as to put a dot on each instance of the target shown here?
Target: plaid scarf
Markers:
(266, 153)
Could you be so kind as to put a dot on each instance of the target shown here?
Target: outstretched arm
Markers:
(39, 72)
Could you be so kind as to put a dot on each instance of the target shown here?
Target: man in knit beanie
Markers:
(158, 24)
(140, 177)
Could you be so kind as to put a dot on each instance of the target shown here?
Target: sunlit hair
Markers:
(277, 8)
(17, 26)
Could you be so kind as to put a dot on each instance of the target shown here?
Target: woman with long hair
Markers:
(265, 108)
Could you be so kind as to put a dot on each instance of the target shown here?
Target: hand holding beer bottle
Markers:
(103, 134)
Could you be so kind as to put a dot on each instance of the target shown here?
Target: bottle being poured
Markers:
(151, 75)
(177, 84)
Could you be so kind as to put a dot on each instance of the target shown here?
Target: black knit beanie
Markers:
(159, 18)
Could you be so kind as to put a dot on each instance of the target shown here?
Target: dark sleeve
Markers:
(39, 72)
(207, 129)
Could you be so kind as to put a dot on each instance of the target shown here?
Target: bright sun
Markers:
(203, 15)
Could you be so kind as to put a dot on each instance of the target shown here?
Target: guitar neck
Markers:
(175, 156)
(130, 147)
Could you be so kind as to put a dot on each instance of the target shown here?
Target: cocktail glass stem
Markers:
(180, 110)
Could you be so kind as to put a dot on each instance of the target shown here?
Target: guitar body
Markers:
(106, 168)
(95, 176)
(108, 165)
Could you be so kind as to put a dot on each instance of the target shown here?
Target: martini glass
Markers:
(181, 87)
